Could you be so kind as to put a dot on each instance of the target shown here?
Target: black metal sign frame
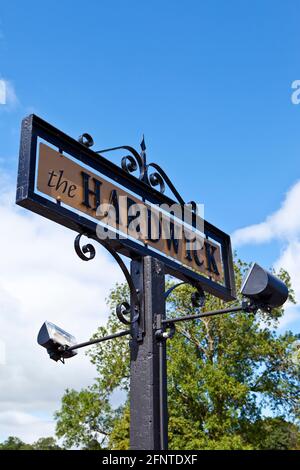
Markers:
(33, 128)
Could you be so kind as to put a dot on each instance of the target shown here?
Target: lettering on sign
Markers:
(120, 214)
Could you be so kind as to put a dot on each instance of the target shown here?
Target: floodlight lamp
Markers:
(264, 290)
(56, 341)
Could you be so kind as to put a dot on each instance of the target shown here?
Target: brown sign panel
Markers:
(67, 182)
(79, 188)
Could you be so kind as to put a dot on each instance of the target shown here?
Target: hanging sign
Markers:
(65, 181)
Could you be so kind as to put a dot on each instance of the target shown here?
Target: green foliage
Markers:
(44, 443)
(14, 443)
(224, 372)
(85, 419)
(275, 434)
(119, 436)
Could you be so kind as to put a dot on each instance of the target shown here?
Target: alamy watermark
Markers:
(3, 92)
(295, 96)
(147, 222)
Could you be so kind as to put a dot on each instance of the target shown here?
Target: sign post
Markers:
(66, 181)
(148, 380)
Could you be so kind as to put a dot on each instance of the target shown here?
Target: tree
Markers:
(223, 374)
(85, 418)
(14, 443)
(275, 434)
(44, 443)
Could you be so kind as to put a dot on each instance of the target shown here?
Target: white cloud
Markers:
(283, 225)
(29, 427)
(291, 316)
(42, 278)
(289, 259)
(8, 97)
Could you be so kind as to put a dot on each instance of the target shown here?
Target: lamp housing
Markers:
(264, 290)
(56, 341)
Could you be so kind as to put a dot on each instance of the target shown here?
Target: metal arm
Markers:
(95, 341)
(246, 306)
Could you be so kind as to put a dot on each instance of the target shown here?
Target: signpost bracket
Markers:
(87, 252)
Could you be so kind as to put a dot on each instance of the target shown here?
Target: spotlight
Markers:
(56, 341)
(264, 290)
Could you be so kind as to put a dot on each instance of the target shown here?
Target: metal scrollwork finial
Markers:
(86, 140)
(154, 179)
(197, 297)
(81, 252)
(136, 162)
(123, 311)
(143, 144)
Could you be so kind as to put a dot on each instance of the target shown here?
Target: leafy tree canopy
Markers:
(44, 443)
(225, 374)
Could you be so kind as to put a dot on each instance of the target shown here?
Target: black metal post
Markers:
(148, 380)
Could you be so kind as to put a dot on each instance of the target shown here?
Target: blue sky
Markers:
(209, 83)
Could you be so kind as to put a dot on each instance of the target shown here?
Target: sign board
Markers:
(69, 183)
